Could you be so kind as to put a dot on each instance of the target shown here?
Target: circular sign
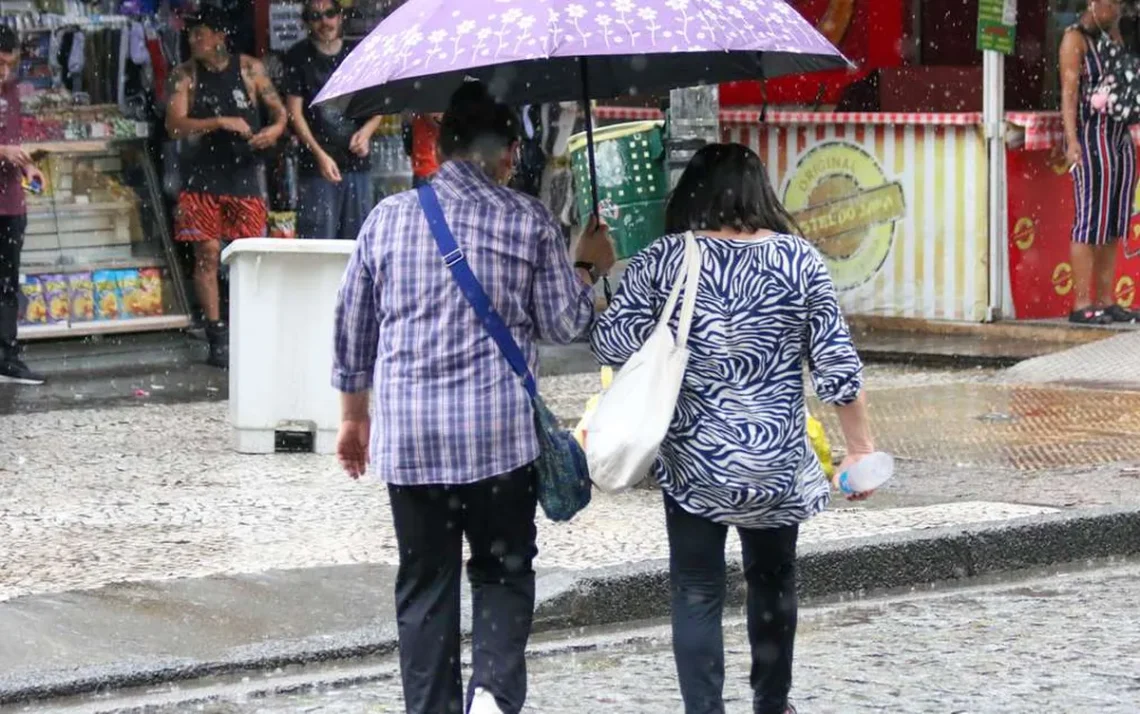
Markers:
(1024, 233)
(1125, 291)
(845, 204)
(1063, 278)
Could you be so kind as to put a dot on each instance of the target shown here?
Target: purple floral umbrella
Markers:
(535, 51)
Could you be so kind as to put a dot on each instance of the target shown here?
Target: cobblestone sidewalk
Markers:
(154, 492)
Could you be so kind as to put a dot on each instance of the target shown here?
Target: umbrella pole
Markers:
(584, 72)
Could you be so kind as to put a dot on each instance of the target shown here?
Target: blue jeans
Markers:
(698, 581)
(333, 210)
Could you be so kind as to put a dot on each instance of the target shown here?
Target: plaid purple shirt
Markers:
(447, 407)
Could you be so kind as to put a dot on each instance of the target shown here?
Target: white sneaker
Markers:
(484, 703)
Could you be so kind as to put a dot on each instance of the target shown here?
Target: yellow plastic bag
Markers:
(819, 443)
(580, 430)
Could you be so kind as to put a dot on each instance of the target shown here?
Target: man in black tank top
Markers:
(215, 108)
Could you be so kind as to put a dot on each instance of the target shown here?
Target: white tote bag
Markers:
(633, 415)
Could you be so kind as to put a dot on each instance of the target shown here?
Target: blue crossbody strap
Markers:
(472, 290)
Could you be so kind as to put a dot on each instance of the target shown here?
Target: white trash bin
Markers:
(282, 303)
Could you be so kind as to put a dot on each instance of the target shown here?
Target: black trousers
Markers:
(11, 243)
(698, 581)
(497, 518)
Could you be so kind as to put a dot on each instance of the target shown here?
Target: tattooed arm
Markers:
(253, 71)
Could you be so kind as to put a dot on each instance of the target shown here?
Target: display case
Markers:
(98, 256)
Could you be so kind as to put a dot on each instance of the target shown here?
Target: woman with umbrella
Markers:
(735, 455)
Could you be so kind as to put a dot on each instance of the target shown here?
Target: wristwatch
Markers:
(589, 268)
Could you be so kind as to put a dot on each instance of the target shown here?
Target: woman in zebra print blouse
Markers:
(736, 453)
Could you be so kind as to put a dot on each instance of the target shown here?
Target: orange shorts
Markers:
(205, 217)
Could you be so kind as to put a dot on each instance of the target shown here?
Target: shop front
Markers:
(897, 194)
(98, 256)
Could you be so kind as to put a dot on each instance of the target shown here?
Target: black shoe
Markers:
(1089, 316)
(1117, 313)
(14, 371)
(218, 335)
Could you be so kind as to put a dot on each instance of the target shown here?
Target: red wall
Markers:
(873, 39)
(879, 35)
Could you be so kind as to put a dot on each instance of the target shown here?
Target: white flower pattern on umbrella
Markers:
(429, 38)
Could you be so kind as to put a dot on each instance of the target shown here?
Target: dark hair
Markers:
(726, 186)
(308, 5)
(212, 17)
(9, 40)
(474, 121)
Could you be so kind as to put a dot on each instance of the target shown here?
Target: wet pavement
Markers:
(1060, 642)
(1025, 428)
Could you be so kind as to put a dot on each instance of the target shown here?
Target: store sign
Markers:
(997, 25)
(841, 197)
(286, 26)
(897, 211)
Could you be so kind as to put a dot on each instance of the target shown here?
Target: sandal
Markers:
(1089, 316)
(1118, 313)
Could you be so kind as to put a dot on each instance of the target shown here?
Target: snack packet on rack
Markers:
(130, 287)
(57, 296)
(35, 308)
(151, 279)
(82, 287)
(108, 298)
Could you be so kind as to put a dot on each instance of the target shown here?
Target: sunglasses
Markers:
(315, 15)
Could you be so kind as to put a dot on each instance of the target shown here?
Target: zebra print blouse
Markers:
(737, 451)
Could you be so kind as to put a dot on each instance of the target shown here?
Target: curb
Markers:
(641, 591)
(867, 564)
(936, 359)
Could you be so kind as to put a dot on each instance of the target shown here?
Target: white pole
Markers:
(1000, 302)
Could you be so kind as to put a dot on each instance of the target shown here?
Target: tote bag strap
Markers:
(472, 289)
(688, 277)
(692, 285)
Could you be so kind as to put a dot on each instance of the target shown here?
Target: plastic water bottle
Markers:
(870, 472)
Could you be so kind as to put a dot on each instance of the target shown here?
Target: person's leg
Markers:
(770, 572)
(207, 254)
(1122, 189)
(697, 580)
(1104, 273)
(499, 520)
(11, 241)
(316, 217)
(12, 368)
(429, 534)
(356, 190)
(1088, 226)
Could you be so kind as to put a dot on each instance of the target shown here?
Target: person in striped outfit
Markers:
(1103, 164)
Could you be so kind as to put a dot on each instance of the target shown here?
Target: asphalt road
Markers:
(1060, 642)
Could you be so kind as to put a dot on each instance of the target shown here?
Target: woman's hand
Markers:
(1073, 154)
(848, 461)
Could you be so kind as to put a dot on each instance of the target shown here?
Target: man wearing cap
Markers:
(335, 181)
(214, 106)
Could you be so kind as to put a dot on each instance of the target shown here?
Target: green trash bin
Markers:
(633, 183)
